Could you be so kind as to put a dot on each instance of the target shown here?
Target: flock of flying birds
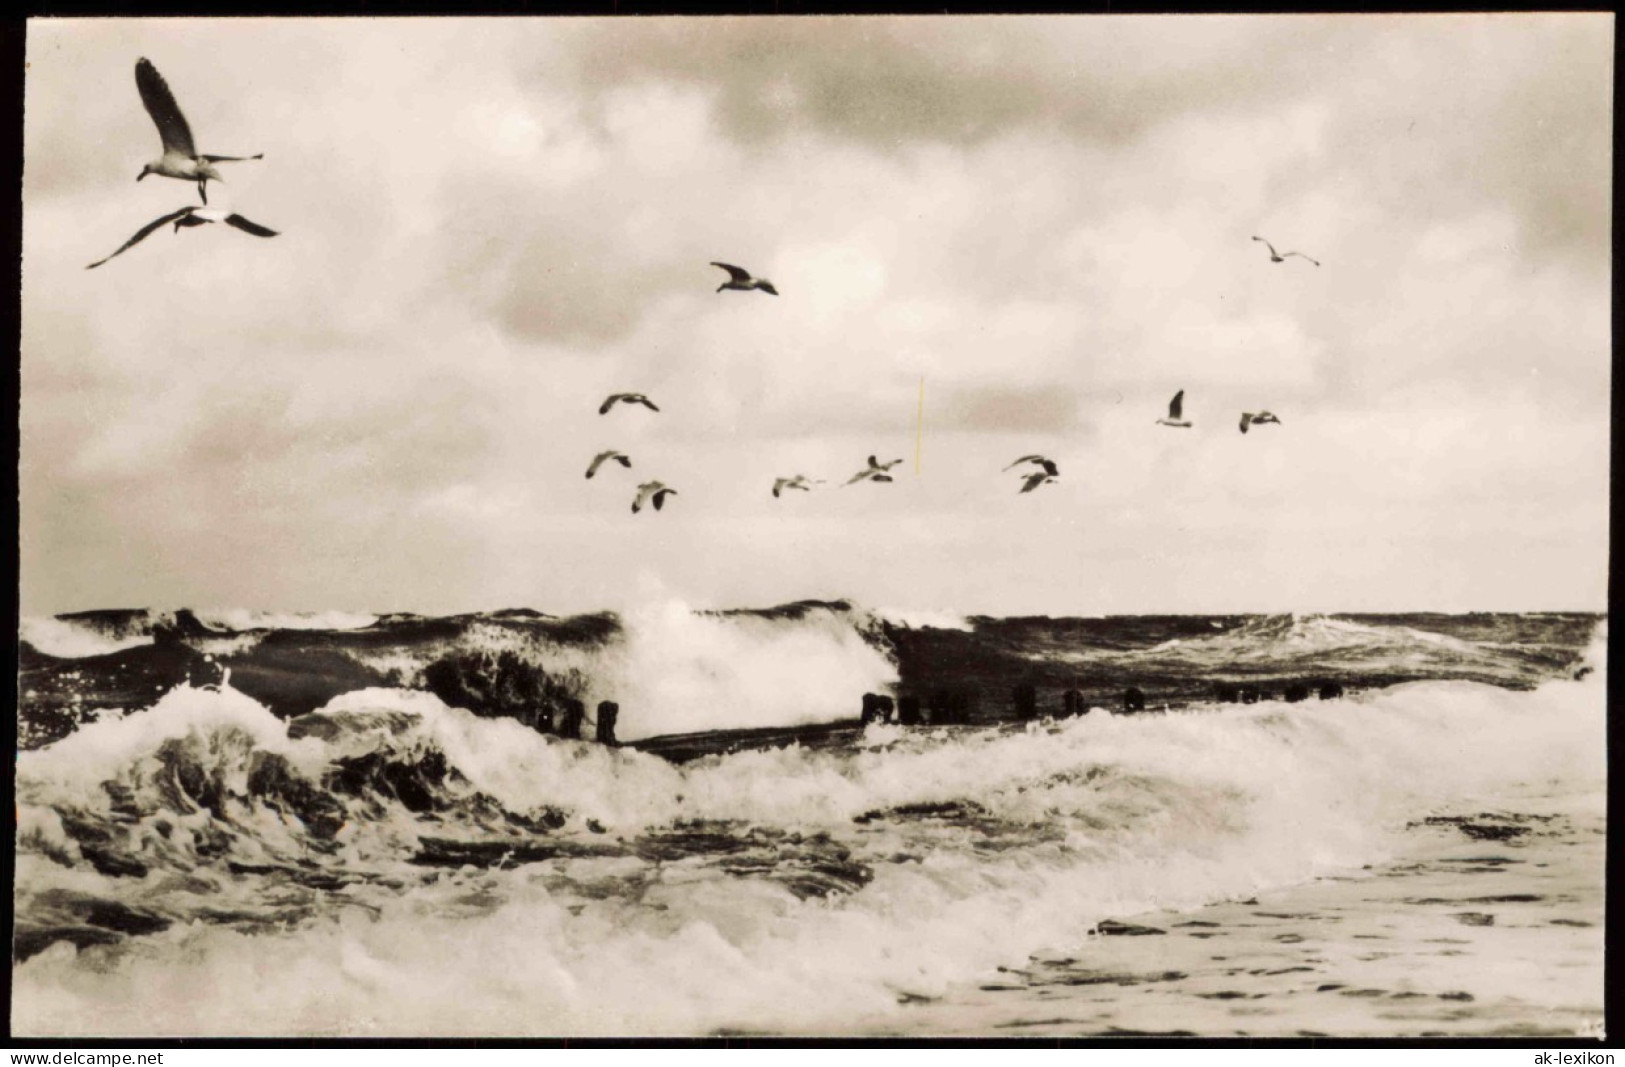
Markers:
(655, 492)
(1037, 469)
(182, 161)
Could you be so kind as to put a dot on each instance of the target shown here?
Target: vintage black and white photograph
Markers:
(822, 527)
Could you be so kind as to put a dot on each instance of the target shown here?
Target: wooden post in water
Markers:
(570, 721)
(607, 712)
(1026, 701)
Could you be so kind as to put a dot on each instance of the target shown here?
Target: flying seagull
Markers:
(1281, 257)
(876, 471)
(1036, 479)
(1176, 408)
(190, 216)
(1260, 419)
(603, 457)
(739, 278)
(629, 398)
(657, 490)
(180, 159)
(798, 481)
(1049, 466)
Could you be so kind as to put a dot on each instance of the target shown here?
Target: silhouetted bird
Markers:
(1048, 464)
(180, 159)
(740, 278)
(626, 398)
(1282, 257)
(189, 217)
(604, 457)
(1261, 419)
(876, 471)
(656, 490)
(1176, 408)
(1034, 480)
(798, 481)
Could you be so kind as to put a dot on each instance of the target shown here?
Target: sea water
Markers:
(392, 865)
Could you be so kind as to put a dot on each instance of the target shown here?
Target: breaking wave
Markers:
(66, 639)
(390, 864)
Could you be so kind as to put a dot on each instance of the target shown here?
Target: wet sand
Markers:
(1490, 923)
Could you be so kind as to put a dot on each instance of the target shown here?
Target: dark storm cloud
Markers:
(1508, 104)
(958, 80)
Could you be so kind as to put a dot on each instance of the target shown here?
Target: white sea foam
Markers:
(678, 671)
(73, 768)
(916, 619)
(673, 669)
(1092, 818)
(239, 619)
(71, 640)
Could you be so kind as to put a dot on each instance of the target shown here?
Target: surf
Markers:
(297, 884)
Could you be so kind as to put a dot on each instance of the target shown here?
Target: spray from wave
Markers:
(241, 619)
(916, 619)
(67, 639)
(681, 671)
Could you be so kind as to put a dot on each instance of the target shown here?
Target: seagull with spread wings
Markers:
(189, 217)
(625, 398)
(740, 278)
(1260, 419)
(180, 159)
(656, 491)
(1036, 479)
(798, 481)
(1049, 466)
(1176, 408)
(604, 457)
(876, 471)
(1282, 257)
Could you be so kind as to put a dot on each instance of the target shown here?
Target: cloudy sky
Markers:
(992, 236)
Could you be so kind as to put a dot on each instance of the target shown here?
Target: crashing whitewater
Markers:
(387, 864)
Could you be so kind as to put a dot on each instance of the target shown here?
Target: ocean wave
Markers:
(1312, 645)
(680, 671)
(238, 620)
(390, 864)
(1269, 637)
(65, 639)
(916, 619)
(673, 669)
